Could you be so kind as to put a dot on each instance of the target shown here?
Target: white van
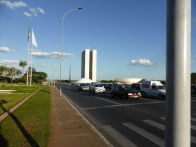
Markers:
(153, 89)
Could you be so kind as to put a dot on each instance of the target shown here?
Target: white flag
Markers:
(33, 39)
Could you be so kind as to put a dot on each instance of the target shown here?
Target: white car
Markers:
(83, 87)
(153, 89)
(97, 88)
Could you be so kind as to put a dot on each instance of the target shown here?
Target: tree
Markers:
(4, 68)
(22, 64)
(18, 73)
(39, 77)
(1, 70)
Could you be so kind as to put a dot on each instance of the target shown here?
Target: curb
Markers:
(6, 114)
(86, 120)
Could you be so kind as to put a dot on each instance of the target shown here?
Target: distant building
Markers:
(89, 64)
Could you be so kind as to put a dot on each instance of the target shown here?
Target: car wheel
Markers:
(143, 94)
(160, 96)
(123, 96)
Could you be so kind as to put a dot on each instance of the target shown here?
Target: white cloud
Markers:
(13, 5)
(5, 49)
(41, 10)
(44, 65)
(142, 62)
(37, 10)
(27, 14)
(8, 62)
(33, 11)
(50, 54)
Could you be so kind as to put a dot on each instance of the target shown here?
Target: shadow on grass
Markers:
(45, 91)
(3, 141)
(29, 138)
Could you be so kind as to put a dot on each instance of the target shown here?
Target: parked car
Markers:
(136, 86)
(153, 89)
(83, 87)
(114, 90)
(98, 88)
(125, 91)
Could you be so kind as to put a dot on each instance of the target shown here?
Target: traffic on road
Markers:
(125, 122)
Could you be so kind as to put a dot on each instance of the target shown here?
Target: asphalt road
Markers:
(126, 123)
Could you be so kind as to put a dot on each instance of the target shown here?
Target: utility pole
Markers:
(70, 73)
(178, 73)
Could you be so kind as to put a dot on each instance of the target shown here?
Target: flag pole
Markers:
(34, 43)
(28, 56)
(31, 65)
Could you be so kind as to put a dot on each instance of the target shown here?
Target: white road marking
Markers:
(123, 141)
(104, 99)
(155, 124)
(162, 127)
(156, 140)
(163, 118)
(122, 105)
(193, 127)
(193, 119)
(193, 139)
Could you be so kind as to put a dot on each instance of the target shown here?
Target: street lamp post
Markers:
(62, 38)
(178, 124)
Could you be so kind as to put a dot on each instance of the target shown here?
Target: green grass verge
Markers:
(10, 100)
(30, 124)
(20, 89)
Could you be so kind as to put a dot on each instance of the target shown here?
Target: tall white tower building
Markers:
(89, 64)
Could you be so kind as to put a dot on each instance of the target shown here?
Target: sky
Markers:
(129, 36)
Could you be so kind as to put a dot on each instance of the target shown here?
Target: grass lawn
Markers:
(20, 89)
(29, 125)
(9, 100)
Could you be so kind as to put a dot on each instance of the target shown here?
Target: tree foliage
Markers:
(12, 74)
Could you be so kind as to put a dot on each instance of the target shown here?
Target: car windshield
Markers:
(98, 85)
(130, 90)
(83, 84)
(160, 87)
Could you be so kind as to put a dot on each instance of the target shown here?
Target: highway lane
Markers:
(124, 122)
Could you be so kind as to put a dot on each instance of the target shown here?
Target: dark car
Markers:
(136, 86)
(125, 91)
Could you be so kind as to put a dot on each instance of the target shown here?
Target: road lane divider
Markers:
(156, 140)
(123, 141)
(121, 105)
(104, 99)
(162, 127)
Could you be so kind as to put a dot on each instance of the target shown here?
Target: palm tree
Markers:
(4, 68)
(22, 64)
(18, 73)
(1, 70)
(12, 72)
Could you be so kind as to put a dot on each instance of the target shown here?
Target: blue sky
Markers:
(129, 35)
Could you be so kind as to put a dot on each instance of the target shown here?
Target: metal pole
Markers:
(62, 38)
(31, 65)
(178, 73)
(28, 65)
(70, 73)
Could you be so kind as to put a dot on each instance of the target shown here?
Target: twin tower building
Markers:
(89, 64)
